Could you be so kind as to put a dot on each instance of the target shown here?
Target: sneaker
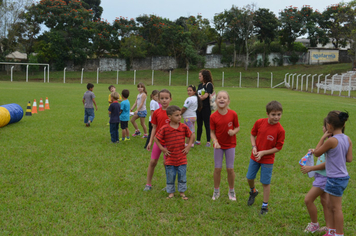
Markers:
(197, 143)
(232, 195)
(327, 234)
(88, 124)
(264, 210)
(207, 145)
(193, 145)
(108, 124)
(251, 199)
(145, 136)
(147, 188)
(127, 139)
(216, 195)
(311, 228)
(323, 229)
(137, 133)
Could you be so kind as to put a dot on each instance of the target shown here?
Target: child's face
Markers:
(140, 89)
(274, 117)
(190, 91)
(175, 117)
(201, 78)
(155, 97)
(164, 99)
(112, 89)
(222, 100)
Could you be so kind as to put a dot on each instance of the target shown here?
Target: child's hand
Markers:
(326, 135)
(306, 169)
(135, 113)
(259, 155)
(166, 152)
(148, 148)
(186, 150)
(231, 132)
(254, 150)
(217, 145)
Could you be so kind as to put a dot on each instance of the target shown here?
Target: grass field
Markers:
(59, 177)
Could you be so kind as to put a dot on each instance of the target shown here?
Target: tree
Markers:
(94, 5)
(291, 26)
(220, 25)
(133, 47)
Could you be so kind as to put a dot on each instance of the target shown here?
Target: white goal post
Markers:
(28, 64)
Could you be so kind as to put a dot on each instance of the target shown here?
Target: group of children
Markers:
(168, 135)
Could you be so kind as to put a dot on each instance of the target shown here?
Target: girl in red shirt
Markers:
(224, 126)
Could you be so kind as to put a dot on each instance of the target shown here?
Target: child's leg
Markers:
(218, 159)
(324, 199)
(85, 115)
(200, 125)
(127, 132)
(337, 220)
(149, 134)
(91, 114)
(253, 168)
(156, 152)
(171, 172)
(266, 192)
(142, 119)
(230, 158)
(182, 181)
(133, 119)
(309, 199)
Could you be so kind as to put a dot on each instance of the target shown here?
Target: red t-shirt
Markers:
(174, 140)
(160, 118)
(222, 124)
(268, 137)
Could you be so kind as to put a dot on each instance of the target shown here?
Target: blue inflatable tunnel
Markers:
(16, 112)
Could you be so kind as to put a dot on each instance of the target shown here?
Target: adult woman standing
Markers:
(205, 88)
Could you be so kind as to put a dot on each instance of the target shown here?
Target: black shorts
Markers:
(124, 124)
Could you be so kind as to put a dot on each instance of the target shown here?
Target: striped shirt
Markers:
(174, 140)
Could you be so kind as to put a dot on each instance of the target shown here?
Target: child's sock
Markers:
(264, 204)
(339, 234)
(123, 139)
(232, 190)
(253, 190)
(149, 185)
(216, 190)
(332, 231)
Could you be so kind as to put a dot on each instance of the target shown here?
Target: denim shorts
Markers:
(266, 171)
(336, 186)
(142, 114)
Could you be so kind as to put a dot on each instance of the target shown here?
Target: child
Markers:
(338, 149)
(154, 105)
(267, 138)
(224, 126)
(191, 105)
(114, 112)
(159, 119)
(315, 191)
(112, 89)
(141, 110)
(172, 136)
(125, 115)
(88, 100)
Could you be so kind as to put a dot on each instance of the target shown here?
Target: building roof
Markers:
(17, 56)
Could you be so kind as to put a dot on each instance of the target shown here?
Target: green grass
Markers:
(60, 178)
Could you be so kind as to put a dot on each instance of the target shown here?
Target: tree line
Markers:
(75, 32)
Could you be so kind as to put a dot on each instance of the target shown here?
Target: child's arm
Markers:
(153, 133)
(259, 154)
(213, 137)
(134, 105)
(163, 149)
(95, 104)
(83, 101)
(306, 169)
(183, 110)
(322, 146)
(120, 98)
(233, 132)
(349, 152)
(253, 143)
(190, 142)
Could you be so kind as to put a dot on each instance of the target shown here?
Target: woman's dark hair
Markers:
(207, 77)
(200, 102)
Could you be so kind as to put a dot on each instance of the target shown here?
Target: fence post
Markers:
(285, 78)
(153, 75)
(81, 78)
(319, 83)
(48, 74)
(187, 77)
(350, 85)
(44, 75)
(301, 84)
(97, 75)
(258, 79)
(117, 76)
(332, 84)
(312, 86)
(12, 70)
(271, 79)
(341, 82)
(170, 77)
(296, 85)
(293, 79)
(240, 80)
(326, 77)
(134, 77)
(222, 85)
(64, 75)
(27, 73)
(289, 78)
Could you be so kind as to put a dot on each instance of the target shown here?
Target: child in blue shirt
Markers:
(114, 112)
(125, 115)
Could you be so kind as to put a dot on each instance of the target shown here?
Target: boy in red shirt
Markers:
(173, 136)
(267, 138)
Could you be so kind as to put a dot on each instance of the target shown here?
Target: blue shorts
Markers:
(336, 186)
(266, 171)
(124, 124)
(142, 114)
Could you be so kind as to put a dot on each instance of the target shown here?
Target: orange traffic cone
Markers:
(40, 107)
(34, 107)
(47, 104)
(28, 109)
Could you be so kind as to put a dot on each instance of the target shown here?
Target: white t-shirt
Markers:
(191, 103)
(153, 106)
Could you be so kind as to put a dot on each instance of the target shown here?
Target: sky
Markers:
(173, 9)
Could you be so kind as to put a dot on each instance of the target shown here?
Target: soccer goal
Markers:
(13, 64)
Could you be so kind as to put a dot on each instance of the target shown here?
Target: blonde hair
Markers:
(114, 95)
